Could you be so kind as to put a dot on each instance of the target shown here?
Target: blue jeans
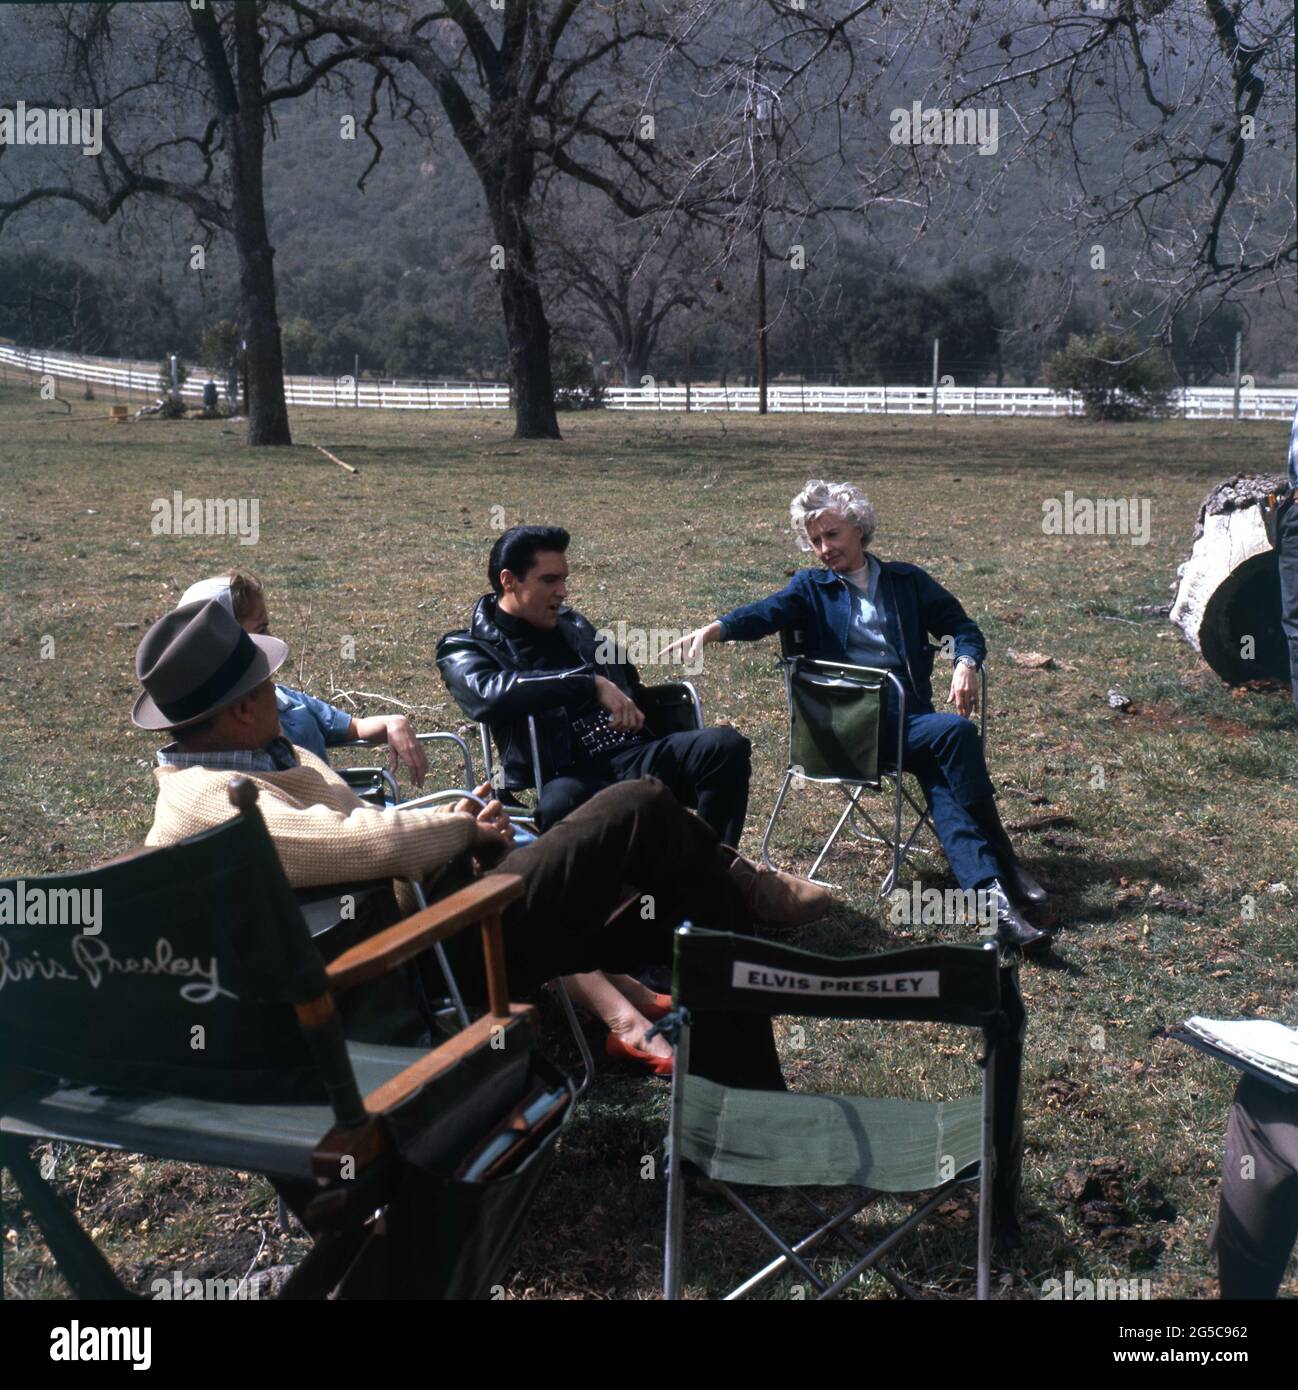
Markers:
(945, 754)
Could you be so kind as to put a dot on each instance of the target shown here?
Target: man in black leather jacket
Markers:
(527, 653)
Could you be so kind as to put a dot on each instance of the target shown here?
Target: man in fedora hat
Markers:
(210, 684)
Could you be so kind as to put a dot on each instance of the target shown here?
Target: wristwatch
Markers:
(966, 661)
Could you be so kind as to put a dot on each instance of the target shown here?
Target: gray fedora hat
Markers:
(196, 660)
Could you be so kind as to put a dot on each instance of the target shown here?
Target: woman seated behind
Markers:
(880, 613)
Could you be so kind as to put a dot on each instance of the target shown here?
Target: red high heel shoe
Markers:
(660, 1008)
(624, 1052)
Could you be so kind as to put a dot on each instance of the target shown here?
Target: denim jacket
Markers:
(817, 602)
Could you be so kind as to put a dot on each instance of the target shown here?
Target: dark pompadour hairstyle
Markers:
(517, 548)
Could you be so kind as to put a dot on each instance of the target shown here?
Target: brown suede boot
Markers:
(776, 898)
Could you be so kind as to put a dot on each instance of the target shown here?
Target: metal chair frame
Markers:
(389, 781)
(852, 788)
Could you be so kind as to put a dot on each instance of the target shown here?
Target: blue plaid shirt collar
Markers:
(1293, 449)
(277, 756)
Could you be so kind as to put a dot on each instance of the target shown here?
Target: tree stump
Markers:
(1228, 590)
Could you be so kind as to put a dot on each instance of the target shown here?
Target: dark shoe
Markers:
(1020, 884)
(1011, 929)
(776, 898)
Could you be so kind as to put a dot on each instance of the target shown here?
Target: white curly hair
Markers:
(819, 497)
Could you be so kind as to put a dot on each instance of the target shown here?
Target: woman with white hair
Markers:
(883, 614)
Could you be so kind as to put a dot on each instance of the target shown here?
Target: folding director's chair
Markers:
(198, 1023)
(732, 1137)
(836, 720)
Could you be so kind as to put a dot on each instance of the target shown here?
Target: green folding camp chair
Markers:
(735, 1137)
(198, 1023)
(836, 721)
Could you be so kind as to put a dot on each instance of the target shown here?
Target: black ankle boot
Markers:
(1020, 884)
(1011, 929)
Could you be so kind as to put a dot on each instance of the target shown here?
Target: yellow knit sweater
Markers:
(323, 832)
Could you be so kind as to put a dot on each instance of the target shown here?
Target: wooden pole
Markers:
(334, 457)
(1239, 338)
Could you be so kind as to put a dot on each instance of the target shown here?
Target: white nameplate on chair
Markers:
(912, 984)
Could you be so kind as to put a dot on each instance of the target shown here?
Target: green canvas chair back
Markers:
(183, 982)
(835, 717)
(921, 984)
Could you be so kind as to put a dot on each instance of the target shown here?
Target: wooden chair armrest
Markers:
(478, 1034)
(364, 1143)
(481, 902)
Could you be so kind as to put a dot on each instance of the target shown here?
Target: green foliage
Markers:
(164, 374)
(419, 345)
(573, 373)
(1115, 379)
(882, 328)
(219, 344)
(52, 302)
(1203, 346)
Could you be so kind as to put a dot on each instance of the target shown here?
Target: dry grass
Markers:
(674, 520)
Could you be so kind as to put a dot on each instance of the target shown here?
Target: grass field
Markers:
(1159, 822)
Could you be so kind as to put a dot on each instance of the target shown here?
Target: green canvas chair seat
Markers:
(769, 1139)
(276, 1140)
(736, 1137)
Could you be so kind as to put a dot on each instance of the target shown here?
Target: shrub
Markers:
(573, 376)
(1114, 377)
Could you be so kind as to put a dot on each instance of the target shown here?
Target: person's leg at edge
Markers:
(1287, 557)
(1257, 1223)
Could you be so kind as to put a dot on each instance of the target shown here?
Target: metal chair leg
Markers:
(673, 1253)
(834, 834)
(770, 824)
(579, 1035)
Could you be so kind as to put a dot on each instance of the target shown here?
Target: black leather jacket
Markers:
(493, 681)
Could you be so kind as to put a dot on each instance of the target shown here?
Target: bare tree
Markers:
(186, 102)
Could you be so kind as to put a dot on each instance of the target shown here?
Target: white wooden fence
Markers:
(1194, 403)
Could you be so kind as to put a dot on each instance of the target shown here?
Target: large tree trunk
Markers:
(1228, 590)
(526, 326)
(267, 410)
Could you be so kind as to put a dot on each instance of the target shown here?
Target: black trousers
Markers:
(1287, 555)
(633, 839)
(1258, 1220)
(707, 769)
